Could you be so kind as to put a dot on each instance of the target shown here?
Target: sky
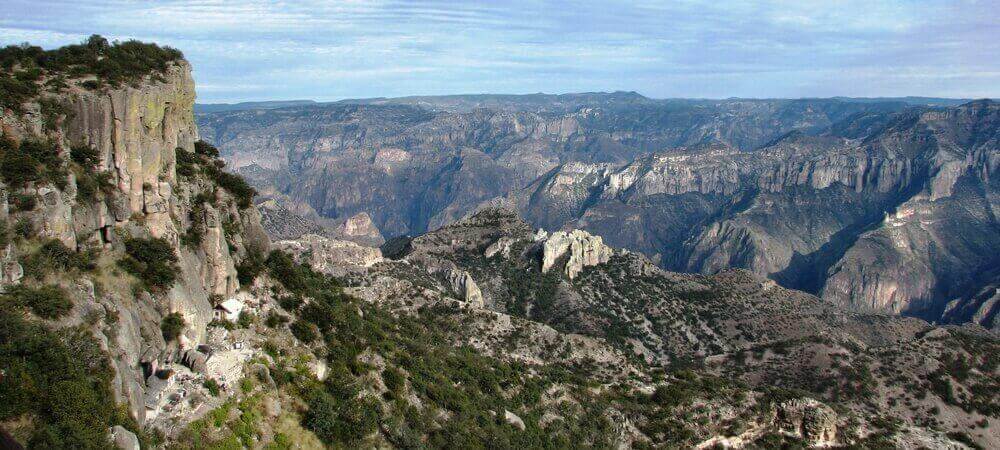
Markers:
(329, 50)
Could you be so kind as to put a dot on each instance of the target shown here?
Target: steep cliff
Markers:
(111, 191)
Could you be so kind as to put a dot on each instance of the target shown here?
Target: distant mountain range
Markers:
(885, 204)
(469, 101)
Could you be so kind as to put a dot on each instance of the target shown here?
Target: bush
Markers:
(47, 302)
(23, 202)
(245, 319)
(186, 162)
(172, 326)
(304, 331)
(31, 161)
(52, 110)
(212, 386)
(347, 422)
(275, 319)
(53, 255)
(17, 169)
(60, 381)
(195, 234)
(153, 261)
(393, 379)
(90, 185)
(112, 63)
(236, 186)
(86, 156)
(251, 266)
(24, 228)
(205, 149)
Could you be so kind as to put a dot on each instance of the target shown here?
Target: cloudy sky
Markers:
(328, 50)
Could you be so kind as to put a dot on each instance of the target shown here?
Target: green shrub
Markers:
(17, 169)
(53, 255)
(205, 149)
(52, 110)
(250, 267)
(86, 156)
(153, 261)
(195, 233)
(90, 185)
(341, 422)
(23, 228)
(172, 326)
(304, 331)
(47, 302)
(302, 280)
(245, 319)
(31, 161)
(275, 319)
(212, 386)
(393, 379)
(112, 63)
(187, 162)
(60, 381)
(23, 202)
(236, 186)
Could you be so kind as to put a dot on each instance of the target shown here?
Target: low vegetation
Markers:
(152, 260)
(47, 302)
(172, 325)
(56, 385)
(99, 62)
(205, 160)
(32, 160)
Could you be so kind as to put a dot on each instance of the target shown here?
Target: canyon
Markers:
(884, 205)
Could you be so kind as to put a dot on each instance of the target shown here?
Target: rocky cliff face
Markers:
(414, 165)
(900, 221)
(135, 131)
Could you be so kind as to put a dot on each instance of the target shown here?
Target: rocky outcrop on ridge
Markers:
(578, 247)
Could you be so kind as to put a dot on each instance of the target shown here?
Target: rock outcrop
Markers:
(580, 249)
(330, 255)
(360, 228)
(809, 420)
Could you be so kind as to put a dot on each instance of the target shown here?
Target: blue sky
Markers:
(324, 50)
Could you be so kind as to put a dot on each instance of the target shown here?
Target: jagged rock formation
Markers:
(900, 221)
(360, 228)
(578, 247)
(280, 223)
(484, 330)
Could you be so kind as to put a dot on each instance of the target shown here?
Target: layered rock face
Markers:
(901, 221)
(872, 205)
(415, 164)
(135, 130)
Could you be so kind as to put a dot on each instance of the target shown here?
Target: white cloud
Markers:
(279, 49)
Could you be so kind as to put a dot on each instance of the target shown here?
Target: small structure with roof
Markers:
(229, 310)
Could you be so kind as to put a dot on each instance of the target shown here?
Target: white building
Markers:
(229, 310)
